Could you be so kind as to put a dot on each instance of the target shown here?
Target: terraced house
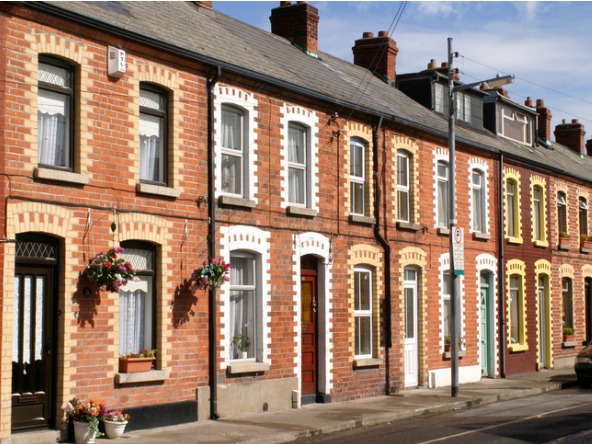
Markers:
(180, 134)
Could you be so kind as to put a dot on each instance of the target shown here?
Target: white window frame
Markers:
(463, 107)
(363, 313)
(255, 330)
(516, 302)
(240, 153)
(299, 165)
(439, 97)
(478, 201)
(509, 115)
(443, 195)
(403, 187)
(358, 153)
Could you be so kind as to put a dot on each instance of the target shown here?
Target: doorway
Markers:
(544, 323)
(411, 343)
(309, 331)
(588, 308)
(486, 306)
(33, 335)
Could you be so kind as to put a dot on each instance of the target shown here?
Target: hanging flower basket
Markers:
(211, 275)
(110, 271)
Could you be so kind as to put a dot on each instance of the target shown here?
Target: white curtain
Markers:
(149, 158)
(231, 129)
(242, 300)
(442, 203)
(52, 138)
(132, 320)
(296, 156)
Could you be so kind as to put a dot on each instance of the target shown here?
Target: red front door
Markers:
(308, 294)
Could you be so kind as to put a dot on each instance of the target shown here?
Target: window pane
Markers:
(357, 160)
(53, 120)
(515, 307)
(296, 147)
(562, 212)
(403, 208)
(443, 204)
(363, 336)
(357, 196)
(242, 302)
(232, 129)
(151, 148)
(135, 316)
(231, 174)
(296, 185)
(409, 313)
(568, 319)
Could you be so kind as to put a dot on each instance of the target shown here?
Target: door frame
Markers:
(415, 313)
(310, 274)
(487, 353)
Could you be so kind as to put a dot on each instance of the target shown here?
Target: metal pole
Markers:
(455, 287)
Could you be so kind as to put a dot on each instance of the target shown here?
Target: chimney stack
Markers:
(298, 22)
(544, 120)
(571, 135)
(378, 54)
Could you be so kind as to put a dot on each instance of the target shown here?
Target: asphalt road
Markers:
(556, 417)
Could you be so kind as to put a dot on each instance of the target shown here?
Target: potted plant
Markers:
(114, 422)
(110, 271)
(242, 342)
(137, 362)
(447, 342)
(568, 334)
(211, 275)
(85, 417)
(585, 243)
(563, 239)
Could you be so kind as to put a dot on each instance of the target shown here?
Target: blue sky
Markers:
(546, 45)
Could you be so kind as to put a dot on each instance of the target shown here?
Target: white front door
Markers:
(411, 348)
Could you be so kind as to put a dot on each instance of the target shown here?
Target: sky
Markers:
(546, 45)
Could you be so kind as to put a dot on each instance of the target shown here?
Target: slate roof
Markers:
(206, 35)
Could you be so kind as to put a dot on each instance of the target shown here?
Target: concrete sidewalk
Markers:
(322, 419)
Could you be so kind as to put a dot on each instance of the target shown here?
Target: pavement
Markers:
(310, 421)
(315, 420)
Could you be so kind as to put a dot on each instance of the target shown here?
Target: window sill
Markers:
(569, 344)
(157, 190)
(235, 202)
(513, 240)
(367, 362)
(133, 378)
(359, 219)
(481, 236)
(444, 231)
(540, 243)
(408, 226)
(301, 211)
(564, 247)
(461, 354)
(244, 367)
(60, 176)
(585, 250)
(518, 348)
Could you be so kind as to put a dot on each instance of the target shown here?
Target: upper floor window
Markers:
(463, 107)
(358, 177)
(562, 212)
(478, 195)
(244, 304)
(363, 311)
(55, 114)
(234, 151)
(298, 170)
(153, 135)
(512, 208)
(137, 302)
(516, 125)
(538, 214)
(443, 194)
(403, 187)
(583, 215)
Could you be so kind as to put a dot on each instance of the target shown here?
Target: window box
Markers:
(563, 243)
(586, 246)
(135, 365)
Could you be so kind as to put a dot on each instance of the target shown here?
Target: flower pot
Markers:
(243, 354)
(82, 433)
(113, 429)
(135, 365)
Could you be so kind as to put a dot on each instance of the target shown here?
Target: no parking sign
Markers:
(458, 250)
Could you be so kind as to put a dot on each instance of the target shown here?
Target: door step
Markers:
(36, 437)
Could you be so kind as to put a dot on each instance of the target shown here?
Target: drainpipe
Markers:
(387, 259)
(212, 248)
(501, 272)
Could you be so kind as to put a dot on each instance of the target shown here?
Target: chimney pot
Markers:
(528, 102)
(383, 34)
(540, 102)
(433, 64)
(575, 121)
(368, 35)
(284, 3)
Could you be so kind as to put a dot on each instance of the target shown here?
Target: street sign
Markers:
(458, 250)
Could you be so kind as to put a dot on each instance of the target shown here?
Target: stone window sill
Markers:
(481, 236)
(540, 243)
(235, 202)
(569, 344)
(367, 362)
(513, 240)
(133, 378)
(461, 354)
(359, 219)
(518, 348)
(244, 367)
(444, 231)
(564, 247)
(408, 226)
(585, 250)
(301, 211)
(157, 190)
(60, 176)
